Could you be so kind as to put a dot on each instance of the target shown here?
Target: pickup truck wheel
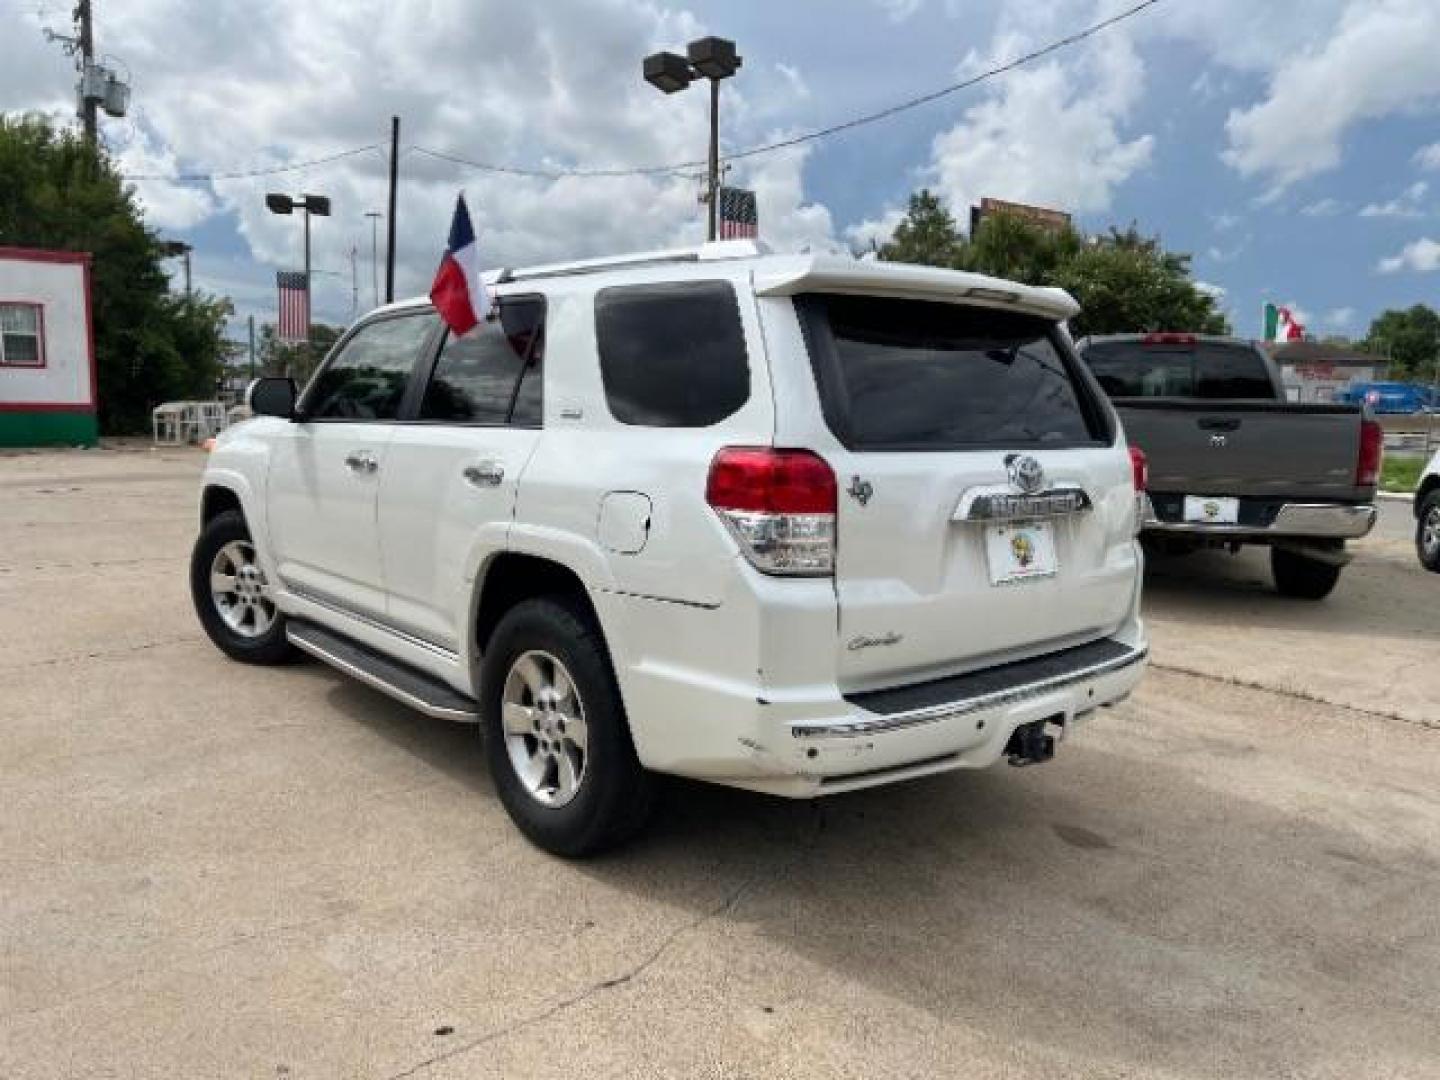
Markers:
(1427, 533)
(1302, 578)
(232, 597)
(556, 733)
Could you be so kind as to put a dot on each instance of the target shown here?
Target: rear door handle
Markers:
(361, 462)
(486, 474)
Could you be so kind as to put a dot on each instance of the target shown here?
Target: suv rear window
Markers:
(1208, 370)
(672, 355)
(923, 375)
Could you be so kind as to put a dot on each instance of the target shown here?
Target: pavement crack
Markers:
(1296, 695)
(725, 906)
(99, 654)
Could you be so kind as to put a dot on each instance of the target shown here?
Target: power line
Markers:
(809, 136)
(271, 170)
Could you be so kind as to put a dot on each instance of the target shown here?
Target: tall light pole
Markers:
(710, 58)
(319, 205)
(375, 216)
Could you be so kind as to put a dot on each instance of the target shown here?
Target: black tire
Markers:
(1428, 518)
(1302, 578)
(614, 793)
(269, 647)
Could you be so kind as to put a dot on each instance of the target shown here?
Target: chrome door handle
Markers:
(361, 462)
(489, 474)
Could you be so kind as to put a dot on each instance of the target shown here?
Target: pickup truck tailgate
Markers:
(1250, 449)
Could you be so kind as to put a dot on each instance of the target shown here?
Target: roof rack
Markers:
(715, 250)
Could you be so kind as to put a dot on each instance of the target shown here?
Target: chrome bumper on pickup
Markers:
(1321, 521)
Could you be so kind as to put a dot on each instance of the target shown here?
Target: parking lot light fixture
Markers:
(712, 58)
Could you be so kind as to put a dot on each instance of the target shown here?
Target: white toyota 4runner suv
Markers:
(800, 524)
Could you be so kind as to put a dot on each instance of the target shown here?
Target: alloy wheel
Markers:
(546, 734)
(239, 590)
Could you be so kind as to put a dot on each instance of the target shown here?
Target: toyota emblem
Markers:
(1026, 473)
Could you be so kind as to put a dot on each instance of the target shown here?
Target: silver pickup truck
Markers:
(1232, 462)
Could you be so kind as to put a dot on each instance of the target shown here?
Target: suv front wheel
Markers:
(555, 731)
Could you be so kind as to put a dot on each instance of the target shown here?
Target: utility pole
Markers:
(252, 348)
(374, 216)
(88, 104)
(390, 222)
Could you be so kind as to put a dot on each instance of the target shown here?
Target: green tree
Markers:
(298, 360)
(150, 346)
(926, 235)
(1123, 280)
(1409, 339)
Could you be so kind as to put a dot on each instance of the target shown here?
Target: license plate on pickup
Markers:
(1020, 551)
(1212, 509)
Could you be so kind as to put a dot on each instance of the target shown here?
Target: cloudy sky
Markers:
(1292, 145)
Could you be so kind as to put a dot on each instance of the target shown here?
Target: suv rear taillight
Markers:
(1139, 469)
(779, 505)
(1372, 454)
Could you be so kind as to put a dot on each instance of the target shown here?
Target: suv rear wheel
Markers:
(232, 597)
(1302, 578)
(1427, 532)
(556, 733)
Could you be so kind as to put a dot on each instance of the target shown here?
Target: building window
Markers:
(22, 335)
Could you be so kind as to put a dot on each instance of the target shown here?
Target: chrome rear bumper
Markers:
(1322, 521)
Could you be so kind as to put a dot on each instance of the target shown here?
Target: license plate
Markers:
(1020, 551)
(1212, 509)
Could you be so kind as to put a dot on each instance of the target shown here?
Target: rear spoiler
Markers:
(830, 274)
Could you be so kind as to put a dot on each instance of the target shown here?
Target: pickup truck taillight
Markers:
(779, 505)
(1372, 454)
(1139, 469)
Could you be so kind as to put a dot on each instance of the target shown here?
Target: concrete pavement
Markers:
(210, 870)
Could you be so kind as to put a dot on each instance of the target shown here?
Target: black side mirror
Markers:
(272, 397)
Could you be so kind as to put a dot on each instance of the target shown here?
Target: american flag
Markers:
(739, 220)
(294, 305)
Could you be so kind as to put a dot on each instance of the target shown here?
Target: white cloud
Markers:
(1406, 205)
(876, 231)
(1341, 318)
(1326, 207)
(1209, 288)
(261, 84)
(1420, 257)
(1224, 221)
(900, 10)
(1049, 134)
(1428, 157)
(1380, 59)
(799, 88)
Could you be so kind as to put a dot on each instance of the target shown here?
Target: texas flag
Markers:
(458, 293)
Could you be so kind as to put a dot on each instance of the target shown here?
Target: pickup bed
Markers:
(1232, 462)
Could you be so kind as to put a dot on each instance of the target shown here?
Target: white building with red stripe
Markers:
(47, 349)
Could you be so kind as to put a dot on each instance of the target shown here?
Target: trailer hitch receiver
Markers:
(1031, 744)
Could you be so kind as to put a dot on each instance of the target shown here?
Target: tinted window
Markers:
(481, 377)
(1223, 371)
(919, 374)
(672, 355)
(367, 379)
(1131, 369)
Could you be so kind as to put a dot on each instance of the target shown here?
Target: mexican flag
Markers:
(1280, 325)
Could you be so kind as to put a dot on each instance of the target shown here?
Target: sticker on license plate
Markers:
(1212, 509)
(1020, 551)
